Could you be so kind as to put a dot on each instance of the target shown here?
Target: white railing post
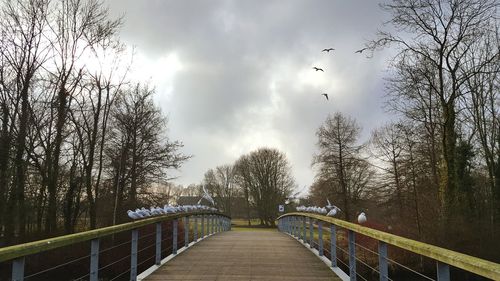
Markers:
(195, 229)
(133, 255)
(94, 260)
(443, 271)
(158, 243)
(320, 238)
(311, 232)
(304, 229)
(202, 234)
(186, 231)
(333, 245)
(382, 261)
(175, 222)
(18, 269)
(352, 255)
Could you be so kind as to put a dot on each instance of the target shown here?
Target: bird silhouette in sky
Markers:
(326, 95)
(328, 50)
(360, 50)
(318, 69)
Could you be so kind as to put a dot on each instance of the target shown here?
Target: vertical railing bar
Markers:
(352, 255)
(202, 226)
(133, 255)
(195, 228)
(311, 232)
(443, 271)
(186, 231)
(320, 238)
(304, 229)
(213, 224)
(18, 269)
(158, 243)
(382, 261)
(333, 245)
(175, 223)
(94, 260)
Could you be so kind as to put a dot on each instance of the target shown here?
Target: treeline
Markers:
(434, 173)
(79, 142)
(262, 178)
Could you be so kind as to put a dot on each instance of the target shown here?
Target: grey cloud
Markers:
(233, 51)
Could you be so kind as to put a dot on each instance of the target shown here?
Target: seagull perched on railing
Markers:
(362, 218)
(133, 215)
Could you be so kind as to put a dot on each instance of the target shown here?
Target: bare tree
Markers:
(23, 51)
(266, 174)
(442, 33)
(139, 150)
(339, 161)
(221, 181)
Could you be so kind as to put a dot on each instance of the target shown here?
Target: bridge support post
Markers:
(158, 243)
(186, 232)
(333, 245)
(382, 261)
(133, 255)
(320, 238)
(18, 269)
(202, 234)
(175, 222)
(443, 271)
(311, 232)
(195, 229)
(352, 255)
(94, 260)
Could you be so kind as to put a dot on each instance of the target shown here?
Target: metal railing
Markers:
(297, 224)
(211, 223)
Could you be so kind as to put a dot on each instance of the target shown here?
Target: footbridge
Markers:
(204, 246)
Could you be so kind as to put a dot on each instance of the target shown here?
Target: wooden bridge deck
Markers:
(246, 255)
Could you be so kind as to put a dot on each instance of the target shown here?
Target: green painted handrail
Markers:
(21, 250)
(469, 263)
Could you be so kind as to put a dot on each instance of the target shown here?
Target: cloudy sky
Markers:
(234, 76)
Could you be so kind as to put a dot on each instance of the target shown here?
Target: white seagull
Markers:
(133, 215)
(362, 218)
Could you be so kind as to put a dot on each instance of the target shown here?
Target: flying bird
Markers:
(326, 95)
(206, 196)
(329, 205)
(318, 69)
(361, 50)
(328, 50)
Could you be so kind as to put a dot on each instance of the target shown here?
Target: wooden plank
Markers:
(246, 255)
(468, 263)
